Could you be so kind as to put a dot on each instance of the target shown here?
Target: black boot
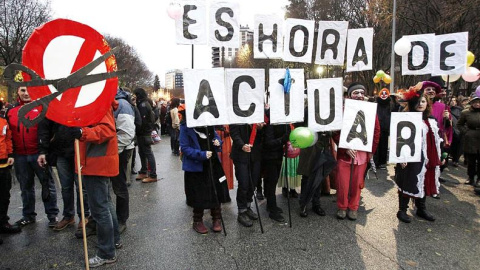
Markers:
(403, 206)
(422, 209)
(303, 211)
(318, 210)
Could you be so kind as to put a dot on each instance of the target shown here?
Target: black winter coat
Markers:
(241, 135)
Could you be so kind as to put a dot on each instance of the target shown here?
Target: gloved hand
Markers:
(75, 132)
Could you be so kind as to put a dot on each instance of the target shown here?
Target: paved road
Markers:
(159, 234)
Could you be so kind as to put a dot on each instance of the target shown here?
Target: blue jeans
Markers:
(69, 181)
(26, 167)
(103, 212)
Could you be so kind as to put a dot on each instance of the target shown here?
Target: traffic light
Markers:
(216, 57)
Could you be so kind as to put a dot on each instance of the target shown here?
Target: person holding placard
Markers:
(247, 156)
(420, 179)
(351, 165)
(199, 185)
(384, 112)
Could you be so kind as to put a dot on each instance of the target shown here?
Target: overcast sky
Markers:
(146, 26)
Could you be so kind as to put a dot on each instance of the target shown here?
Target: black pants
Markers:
(303, 194)
(119, 185)
(5, 186)
(382, 150)
(146, 156)
(174, 140)
(456, 149)
(473, 165)
(245, 189)
(272, 169)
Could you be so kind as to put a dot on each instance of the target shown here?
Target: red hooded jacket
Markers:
(25, 140)
(99, 147)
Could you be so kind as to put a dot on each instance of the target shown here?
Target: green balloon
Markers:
(380, 73)
(301, 137)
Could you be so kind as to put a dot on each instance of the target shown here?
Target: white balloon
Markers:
(453, 77)
(175, 11)
(402, 46)
(472, 74)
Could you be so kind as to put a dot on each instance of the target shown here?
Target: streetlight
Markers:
(320, 71)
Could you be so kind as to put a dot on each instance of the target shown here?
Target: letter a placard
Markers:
(405, 137)
(358, 125)
(205, 103)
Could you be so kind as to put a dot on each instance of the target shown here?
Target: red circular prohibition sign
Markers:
(63, 111)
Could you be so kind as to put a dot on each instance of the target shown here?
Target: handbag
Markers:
(292, 152)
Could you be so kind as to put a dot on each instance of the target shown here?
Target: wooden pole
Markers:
(82, 210)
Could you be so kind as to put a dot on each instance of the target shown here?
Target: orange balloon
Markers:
(376, 79)
(387, 79)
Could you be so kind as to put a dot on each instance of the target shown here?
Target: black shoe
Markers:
(293, 193)
(276, 216)
(318, 210)
(25, 221)
(244, 219)
(252, 215)
(8, 228)
(285, 192)
(53, 222)
(436, 196)
(425, 215)
(403, 216)
(118, 245)
(275, 209)
(470, 181)
(134, 172)
(260, 196)
(303, 211)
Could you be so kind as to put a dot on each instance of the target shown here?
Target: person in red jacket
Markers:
(6, 162)
(25, 149)
(99, 161)
(348, 192)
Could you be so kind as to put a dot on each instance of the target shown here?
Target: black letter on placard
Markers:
(218, 18)
(292, 39)
(331, 116)
(333, 47)
(444, 54)
(363, 57)
(286, 97)
(362, 135)
(188, 21)
(425, 56)
(410, 142)
(262, 37)
(236, 90)
(205, 91)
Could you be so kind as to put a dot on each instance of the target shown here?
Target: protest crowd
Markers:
(262, 155)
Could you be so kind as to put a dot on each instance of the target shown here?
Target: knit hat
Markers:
(355, 86)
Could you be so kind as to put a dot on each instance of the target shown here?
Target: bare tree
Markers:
(138, 74)
(18, 19)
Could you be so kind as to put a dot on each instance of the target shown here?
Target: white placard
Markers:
(207, 85)
(360, 49)
(191, 28)
(405, 137)
(358, 125)
(268, 37)
(298, 43)
(420, 58)
(325, 104)
(331, 42)
(224, 27)
(450, 54)
(278, 110)
(245, 95)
